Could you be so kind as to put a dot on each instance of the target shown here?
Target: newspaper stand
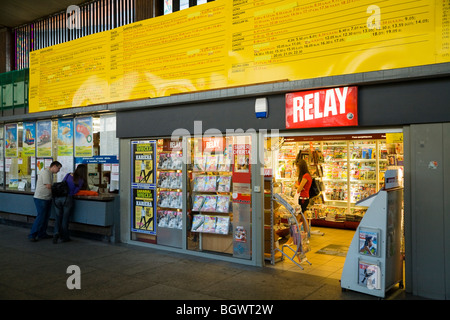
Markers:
(298, 243)
(374, 262)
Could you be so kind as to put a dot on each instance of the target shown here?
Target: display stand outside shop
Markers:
(374, 260)
(300, 245)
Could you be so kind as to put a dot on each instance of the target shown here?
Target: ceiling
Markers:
(16, 13)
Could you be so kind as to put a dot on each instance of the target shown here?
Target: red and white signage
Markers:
(336, 107)
(212, 144)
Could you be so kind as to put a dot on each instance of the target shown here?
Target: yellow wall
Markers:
(232, 43)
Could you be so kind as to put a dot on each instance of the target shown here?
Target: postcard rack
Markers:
(300, 245)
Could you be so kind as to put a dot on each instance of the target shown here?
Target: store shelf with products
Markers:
(348, 169)
(169, 193)
(210, 199)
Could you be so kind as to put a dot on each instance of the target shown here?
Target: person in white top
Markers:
(43, 202)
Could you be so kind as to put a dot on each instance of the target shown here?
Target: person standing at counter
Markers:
(64, 205)
(43, 202)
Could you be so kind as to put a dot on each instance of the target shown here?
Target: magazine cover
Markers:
(199, 183)
(177, 161)
(223, 204)
(175, 201)
(369, 275)
(169, 219)
(368, 242)
(164, 199)
(199, 164)
(222, 225)
(224, 163)
(210, 184)
(223, 183)
(175, 180)
(198, 202)
(209, 225)
(165, 161)
(211, 163)
(210, 204)
(163, 179)
(197, 223)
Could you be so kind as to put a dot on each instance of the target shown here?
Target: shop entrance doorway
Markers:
(347, 168)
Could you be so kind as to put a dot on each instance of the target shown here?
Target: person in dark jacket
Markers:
(64, 205)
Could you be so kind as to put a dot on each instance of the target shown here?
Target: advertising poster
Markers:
(65, 137)
(143, 211)
(11, 140)
(83, 137)
(29, 139)
(144, 162)
(241, 163)
(44, 138)
(143, 186)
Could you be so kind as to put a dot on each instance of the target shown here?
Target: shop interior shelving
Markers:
(347, 170)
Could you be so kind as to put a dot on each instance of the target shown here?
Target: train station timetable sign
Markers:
(225, 43)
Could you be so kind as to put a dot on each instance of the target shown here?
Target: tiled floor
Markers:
(324, 265)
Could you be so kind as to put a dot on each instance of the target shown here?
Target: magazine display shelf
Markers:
(299, 243)
(169, 204)
(374, 262)
(211, 202)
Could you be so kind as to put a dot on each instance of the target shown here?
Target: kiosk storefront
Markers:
(348, 164)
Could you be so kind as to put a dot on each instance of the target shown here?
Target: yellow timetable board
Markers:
(223, 44)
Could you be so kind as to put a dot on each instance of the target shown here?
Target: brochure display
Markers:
(374, 261)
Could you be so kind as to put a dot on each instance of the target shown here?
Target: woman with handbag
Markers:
(303, 182)
(64, 205)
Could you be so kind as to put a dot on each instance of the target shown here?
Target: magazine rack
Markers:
(299, 243)
(374, 262)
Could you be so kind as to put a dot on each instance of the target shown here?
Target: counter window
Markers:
(26, 148)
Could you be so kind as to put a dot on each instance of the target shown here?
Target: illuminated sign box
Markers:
(335, 107)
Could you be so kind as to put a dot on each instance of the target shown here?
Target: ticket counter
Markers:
(96, 215)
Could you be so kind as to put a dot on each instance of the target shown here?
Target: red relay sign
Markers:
(336, 107)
